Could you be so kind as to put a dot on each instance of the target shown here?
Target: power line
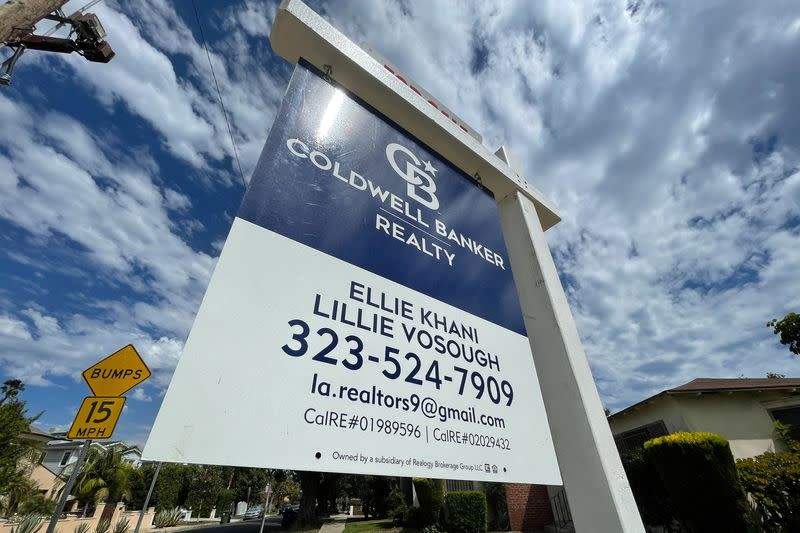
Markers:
(219, 94)
(58, 26)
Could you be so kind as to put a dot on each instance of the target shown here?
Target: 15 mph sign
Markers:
(362, 316)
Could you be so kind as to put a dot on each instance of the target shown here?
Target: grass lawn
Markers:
(365, 526)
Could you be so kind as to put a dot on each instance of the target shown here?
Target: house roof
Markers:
(736, 384)
(33, 433)
(710, 385)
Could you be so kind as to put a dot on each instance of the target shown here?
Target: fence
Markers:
(68, 525)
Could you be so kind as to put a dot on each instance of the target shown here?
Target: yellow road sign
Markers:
(117, 373)
(96, 418)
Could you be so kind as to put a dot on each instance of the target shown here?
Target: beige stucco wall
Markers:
(659, 408)
(68, 525)
(741, 417)
(46, 481)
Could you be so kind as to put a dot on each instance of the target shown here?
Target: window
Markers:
(789, 416)
(65, 458)
(635, 438)
(457, 484)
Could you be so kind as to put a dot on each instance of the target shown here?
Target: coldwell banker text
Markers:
(430, 236)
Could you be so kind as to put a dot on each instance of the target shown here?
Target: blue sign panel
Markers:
(359, 188)
(361, 318)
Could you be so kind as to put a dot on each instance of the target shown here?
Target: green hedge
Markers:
(430, 494)
(773, 479)
(652, 499)
(699, 474)
(466, 511)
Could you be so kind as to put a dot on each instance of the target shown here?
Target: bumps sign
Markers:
(116, 374)
(362, 316)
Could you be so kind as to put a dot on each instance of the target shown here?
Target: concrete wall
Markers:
(659, 408)
(68, 525)
(741, 417)
(46, 481)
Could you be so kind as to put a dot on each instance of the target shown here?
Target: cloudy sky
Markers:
(666, 133)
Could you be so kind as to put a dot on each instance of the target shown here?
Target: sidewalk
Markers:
(336, 525)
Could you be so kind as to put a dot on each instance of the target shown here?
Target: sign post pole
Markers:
(62, 501)
(267, 494)
(147, 499)
(598, 490)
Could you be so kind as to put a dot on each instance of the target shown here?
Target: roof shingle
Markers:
(732, 384)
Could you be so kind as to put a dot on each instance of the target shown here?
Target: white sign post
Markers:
(597, 487)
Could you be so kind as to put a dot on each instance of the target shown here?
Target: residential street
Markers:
(251, 526)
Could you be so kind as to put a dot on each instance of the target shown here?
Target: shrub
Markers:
(83, 527)
(432, 529)
(37, 504)
(397, 505)
(652, 499)
(466, 511)
(167, 518)
(699, 474)
(29, 523)
(773, 479)
(430, 494)
(121, 526)
(413, 518)
(103, 525)
(225, 499)
(497, 506)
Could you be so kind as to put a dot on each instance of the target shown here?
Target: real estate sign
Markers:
(362, 316)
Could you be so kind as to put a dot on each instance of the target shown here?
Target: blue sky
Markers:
(666, 134)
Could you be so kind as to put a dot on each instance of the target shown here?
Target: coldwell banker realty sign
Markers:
(362, 316)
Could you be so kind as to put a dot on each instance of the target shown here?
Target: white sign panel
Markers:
(362, 316)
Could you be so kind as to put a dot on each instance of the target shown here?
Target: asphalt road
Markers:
(272, 523)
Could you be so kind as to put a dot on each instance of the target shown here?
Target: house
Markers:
(59, 454)
(47, 481)
(742, 410)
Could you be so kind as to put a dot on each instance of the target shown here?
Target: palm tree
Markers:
(105, 476)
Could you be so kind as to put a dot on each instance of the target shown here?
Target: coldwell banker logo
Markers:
(396, 216)
(408, 166)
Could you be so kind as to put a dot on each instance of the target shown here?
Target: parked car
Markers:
(253, 513)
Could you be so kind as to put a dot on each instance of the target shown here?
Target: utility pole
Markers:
(18, 17)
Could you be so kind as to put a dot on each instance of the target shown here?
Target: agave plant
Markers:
(81, 528)
(121, 526)
(29, 523)
(103, 525)
(166, 518)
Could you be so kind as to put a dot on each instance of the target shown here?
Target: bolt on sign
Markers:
(362, 316)
(117, 374)
(96, 418)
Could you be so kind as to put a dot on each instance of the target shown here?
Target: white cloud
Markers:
(650, 127)
(10, 327)
(184, 108)
(140, 395)
(666, 133)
